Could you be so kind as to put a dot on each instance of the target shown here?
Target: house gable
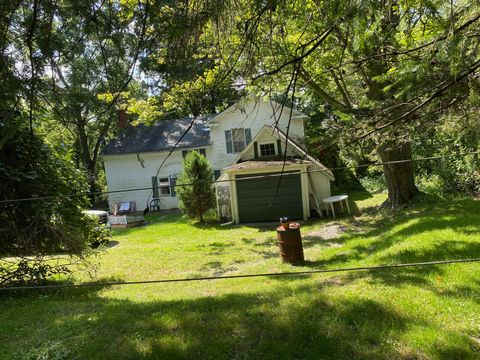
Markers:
(270, 135)
(250, 114)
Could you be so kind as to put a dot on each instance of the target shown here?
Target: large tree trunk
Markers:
(399, 177)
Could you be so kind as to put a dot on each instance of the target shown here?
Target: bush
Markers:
(431, 184)
(195, 186)
(34, 230)
(99, 235)
(374, 184)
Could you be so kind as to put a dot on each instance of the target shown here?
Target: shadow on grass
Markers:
(216, 247)
(232, 326)
(300, 323)
(90, 288)
(460, 216)
(211, 225)
(416, 234)
(217, 268)
(261, 226)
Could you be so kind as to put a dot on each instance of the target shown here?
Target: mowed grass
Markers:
(411, 313)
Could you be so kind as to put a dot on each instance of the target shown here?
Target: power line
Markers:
(294, 81)
(207, 278)
(170, 153)
(49, 197)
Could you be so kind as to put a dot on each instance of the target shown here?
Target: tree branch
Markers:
(439, 92)
(319, 40)
(329, 98)
(342, 90)
(408, 51)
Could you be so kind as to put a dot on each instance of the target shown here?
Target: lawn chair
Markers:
(124, 207)
(154, 204)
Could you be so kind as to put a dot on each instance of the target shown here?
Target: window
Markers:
(164, 186)
(237, 139)
(201, 151)
(267, 149)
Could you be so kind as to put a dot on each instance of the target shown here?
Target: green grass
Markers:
(419, 313)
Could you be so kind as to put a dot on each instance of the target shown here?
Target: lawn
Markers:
(414, 313)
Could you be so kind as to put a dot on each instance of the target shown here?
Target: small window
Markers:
(267, 149)
(164, 186)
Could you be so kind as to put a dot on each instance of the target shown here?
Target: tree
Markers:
(91, 76)
(75, 62)
(37, 234)
(384, 66)
(183, 60)
(195, 186)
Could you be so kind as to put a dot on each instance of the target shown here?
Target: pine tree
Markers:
(196, 191)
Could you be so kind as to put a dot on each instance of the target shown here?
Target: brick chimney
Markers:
(122, 119)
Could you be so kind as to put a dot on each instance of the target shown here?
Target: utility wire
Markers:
(285, 273)
(168, 155)
(48, 197)
(294, 80)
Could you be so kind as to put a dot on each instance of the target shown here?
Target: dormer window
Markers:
(267, 149)
(237, 139)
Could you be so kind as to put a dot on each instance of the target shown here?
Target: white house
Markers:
(243, 144)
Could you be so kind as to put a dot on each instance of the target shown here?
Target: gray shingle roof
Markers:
(161, 136)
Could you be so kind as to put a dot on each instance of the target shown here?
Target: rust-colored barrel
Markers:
(290, 243)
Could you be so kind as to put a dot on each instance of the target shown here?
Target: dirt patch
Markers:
(329, 232)
(333, 244)
(475, 340)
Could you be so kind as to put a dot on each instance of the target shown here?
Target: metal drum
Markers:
(290, 243)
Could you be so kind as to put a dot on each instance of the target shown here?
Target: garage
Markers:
(257, 200)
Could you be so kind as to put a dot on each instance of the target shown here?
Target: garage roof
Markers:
(258, 164)
(298, 149)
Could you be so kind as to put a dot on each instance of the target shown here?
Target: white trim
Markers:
(252, 143)
(328, 173)
(233, 142)
(305, 193)
(164, 185)
(234, 199)
(294, 167)
(274, 142)
(298, 149)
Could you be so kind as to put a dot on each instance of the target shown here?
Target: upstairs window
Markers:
(237, 139)
(267, 149)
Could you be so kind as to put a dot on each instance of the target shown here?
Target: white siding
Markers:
(126, 172)
(248, 114)
(268, 136)
(321, 184)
